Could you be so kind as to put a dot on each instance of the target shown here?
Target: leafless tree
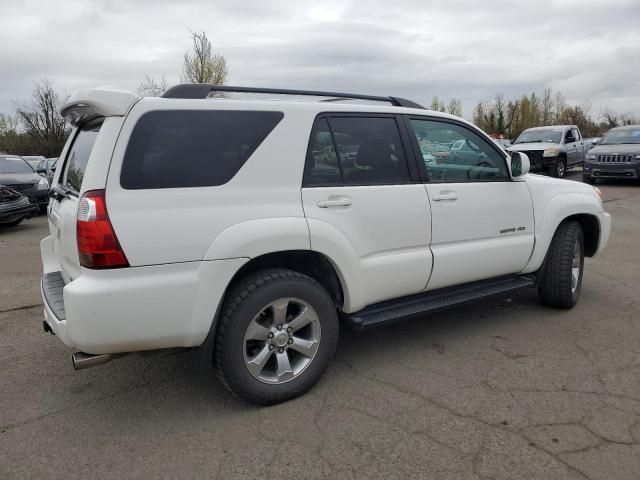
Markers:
(437, 105)
(546, 107)
(7, 124)
(41, 118)
(203, 66)
(150, 87)
(560, 106)
(455, 107)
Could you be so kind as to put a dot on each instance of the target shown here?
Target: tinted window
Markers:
(14, 165)
(452, 153)
(78, 156)
(576, 134)
(369, 150)
(192, 148)
(322, 163)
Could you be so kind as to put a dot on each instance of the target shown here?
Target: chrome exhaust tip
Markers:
(83, 360)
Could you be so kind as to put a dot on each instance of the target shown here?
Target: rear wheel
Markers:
(561, 277)
(276, 336)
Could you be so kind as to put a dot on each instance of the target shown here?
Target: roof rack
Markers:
(202, 90)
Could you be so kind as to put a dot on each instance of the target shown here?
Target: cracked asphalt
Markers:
(503, 389)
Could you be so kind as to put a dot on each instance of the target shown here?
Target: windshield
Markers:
(621, 136)
(14, 165)
(547, 135)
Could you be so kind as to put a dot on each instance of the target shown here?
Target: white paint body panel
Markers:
(185, 222)
(141, 308)
(380, 242)
(467, 242)
(553, 201)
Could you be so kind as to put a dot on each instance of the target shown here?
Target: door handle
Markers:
(335, 202)
(445, 196)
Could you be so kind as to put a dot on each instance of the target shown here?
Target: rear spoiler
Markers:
(99, 102)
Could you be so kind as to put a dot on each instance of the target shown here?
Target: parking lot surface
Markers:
(502, 389)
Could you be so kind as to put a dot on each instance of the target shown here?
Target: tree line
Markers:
(509, 117)
(38, 128)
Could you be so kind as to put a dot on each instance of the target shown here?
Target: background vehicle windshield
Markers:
(14, 165)
(621, 136)
(550, 135)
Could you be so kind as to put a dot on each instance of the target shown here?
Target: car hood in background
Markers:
(19, 178)
(521, 147)
(622, 149)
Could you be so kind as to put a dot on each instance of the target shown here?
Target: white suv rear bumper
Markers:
(138, 308)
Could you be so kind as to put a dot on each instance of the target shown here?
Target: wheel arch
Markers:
(307, 262)
(590, 229)
(578, 207)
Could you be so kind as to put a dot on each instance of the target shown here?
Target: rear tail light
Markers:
(98, 246)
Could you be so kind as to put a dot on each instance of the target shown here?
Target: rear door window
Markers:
(192, 148)
(370, 150)
(353, 150)
(76, 163)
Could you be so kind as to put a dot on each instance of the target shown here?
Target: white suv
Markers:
(255, 228)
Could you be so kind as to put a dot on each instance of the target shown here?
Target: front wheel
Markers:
(276, 336)
(561, 277)
(588, 179)
(559, 168)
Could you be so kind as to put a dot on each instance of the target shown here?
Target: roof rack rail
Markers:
(202, 90)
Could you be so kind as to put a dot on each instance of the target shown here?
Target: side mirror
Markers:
(595, 142)
(41, 170)
(519, 164)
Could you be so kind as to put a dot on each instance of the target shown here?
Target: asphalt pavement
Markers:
(502, 389)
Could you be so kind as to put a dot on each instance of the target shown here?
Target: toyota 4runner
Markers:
(254, 229)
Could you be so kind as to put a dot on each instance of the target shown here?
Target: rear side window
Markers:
(78, 156)
(192, 148)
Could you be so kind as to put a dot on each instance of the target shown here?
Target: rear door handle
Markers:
(335, 202)
(445, 196)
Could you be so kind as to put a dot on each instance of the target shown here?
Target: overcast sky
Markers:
(588, 49)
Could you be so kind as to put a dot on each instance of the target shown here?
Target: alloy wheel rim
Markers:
(282, 340)
(575, 267)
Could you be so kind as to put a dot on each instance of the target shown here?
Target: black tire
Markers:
(559, 168)
(42, 208)
(555, 283)
(246, 300)
(588, 179)
(12, 223)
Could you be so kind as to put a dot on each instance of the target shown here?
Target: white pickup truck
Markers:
(254, 229)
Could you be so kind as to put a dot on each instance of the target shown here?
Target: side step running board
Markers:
(436, 300)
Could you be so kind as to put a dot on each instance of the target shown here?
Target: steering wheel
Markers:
(476, 169)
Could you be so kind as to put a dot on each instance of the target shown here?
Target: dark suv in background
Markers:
(617, 155)
(18, 175)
